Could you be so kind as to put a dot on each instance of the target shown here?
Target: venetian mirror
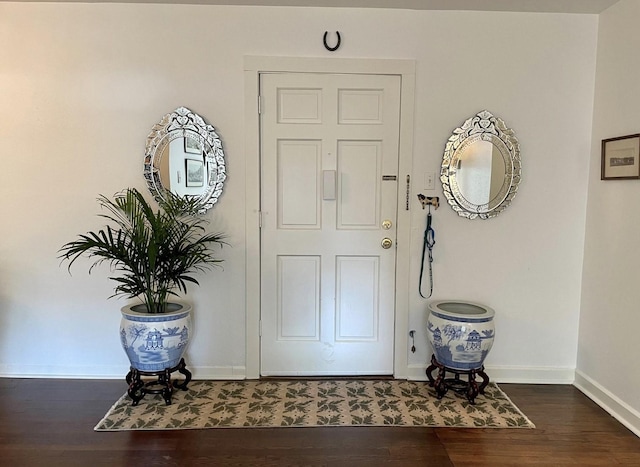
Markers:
(184, 156)
(481, 167)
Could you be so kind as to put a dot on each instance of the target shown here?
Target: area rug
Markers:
(304, 403)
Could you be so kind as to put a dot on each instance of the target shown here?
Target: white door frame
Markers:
(253, 66)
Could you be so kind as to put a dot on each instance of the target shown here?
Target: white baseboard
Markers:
(511, 374)
(499, 374)
(219, 372)
(64, 371)
(111, 372)
(617, 408)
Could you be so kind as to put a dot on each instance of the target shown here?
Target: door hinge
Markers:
(260, 330)
(259, 219)
(259, 104)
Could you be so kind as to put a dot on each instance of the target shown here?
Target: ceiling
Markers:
(541, 6)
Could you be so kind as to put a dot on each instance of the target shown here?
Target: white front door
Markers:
(329, 183)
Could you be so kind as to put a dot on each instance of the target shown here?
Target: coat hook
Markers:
(428, 201)
(331, 49)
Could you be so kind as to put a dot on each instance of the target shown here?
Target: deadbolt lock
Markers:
(386, 243)
(386, 224)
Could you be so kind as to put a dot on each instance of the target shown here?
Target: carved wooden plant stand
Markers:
(442, 384)
(161, 385)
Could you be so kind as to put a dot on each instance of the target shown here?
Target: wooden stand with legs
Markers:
(162, 385)
(442, 384)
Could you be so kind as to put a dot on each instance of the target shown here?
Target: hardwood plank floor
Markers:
(49, 422)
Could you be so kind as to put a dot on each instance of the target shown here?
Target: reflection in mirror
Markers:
(184, 156)
(481, 167)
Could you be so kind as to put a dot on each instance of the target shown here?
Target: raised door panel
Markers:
(298, 167)
(359, 184)
(299, 105)
(298, 297)
(357, 289)
(360, 106)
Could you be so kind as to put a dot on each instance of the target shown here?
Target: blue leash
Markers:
(429, 241)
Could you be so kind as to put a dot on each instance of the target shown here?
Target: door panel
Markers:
(359, 193)
(357, 106)
(357, 310)
(327, 285)
(299, 298)
(298, 165)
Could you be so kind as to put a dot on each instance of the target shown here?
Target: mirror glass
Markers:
(481, 167)
(184, 155)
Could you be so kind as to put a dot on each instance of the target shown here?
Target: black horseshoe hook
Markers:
(326, 46)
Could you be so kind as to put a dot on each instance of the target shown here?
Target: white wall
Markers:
(81, 86)
(608, 368)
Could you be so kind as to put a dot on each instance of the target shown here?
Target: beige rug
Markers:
(302, 403)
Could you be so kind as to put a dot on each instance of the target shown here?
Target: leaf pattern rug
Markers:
(304, 403)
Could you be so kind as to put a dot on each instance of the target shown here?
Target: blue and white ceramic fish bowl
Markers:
(461, 333)
(155, 341)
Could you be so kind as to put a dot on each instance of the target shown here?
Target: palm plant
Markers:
(153, 252)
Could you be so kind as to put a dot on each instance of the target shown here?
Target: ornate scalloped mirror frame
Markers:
(184, 155)
(481, 167)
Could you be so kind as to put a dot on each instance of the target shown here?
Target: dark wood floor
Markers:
(50, 423)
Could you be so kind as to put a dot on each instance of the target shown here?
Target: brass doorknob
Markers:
(386, 243)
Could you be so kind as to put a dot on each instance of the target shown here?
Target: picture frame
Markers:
(194, 170)
(192, 146)
(621, 158)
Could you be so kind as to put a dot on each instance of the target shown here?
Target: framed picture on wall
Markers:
(192, 146)
(621, 158)
(195, 172)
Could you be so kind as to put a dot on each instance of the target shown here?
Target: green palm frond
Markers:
(153, 252)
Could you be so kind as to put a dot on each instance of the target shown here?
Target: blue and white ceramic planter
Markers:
(155, 341)
(460, 333)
